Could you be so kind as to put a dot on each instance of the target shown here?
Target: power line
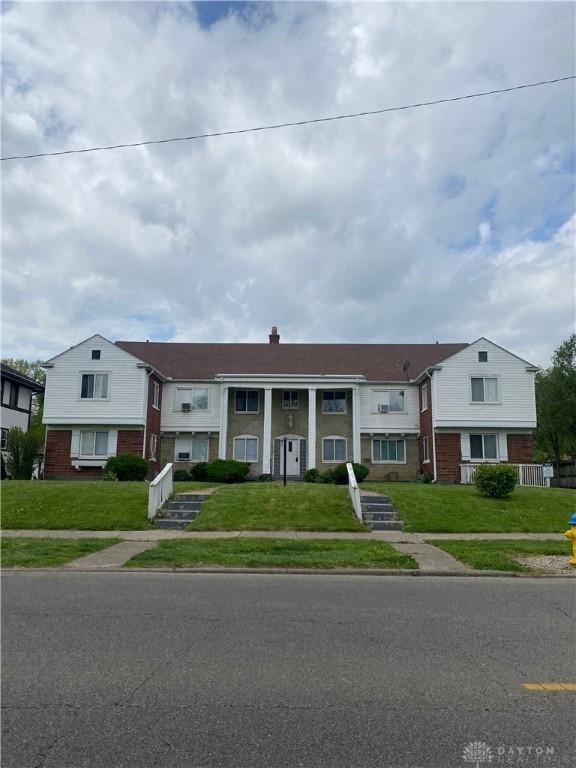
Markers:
(293, 124)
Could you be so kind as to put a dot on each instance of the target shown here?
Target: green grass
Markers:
(40, 553)
(499, 555)
(461, 509)
(78, 504)
(272, 507)
(274, 553)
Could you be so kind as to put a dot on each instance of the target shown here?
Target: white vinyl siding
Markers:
(246, 448)
(372, 421)
(386, 451)
(194, 420)
(334, 450)
(453, 405)
(127, 387)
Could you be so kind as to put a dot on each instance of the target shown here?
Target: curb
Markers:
(297, 572)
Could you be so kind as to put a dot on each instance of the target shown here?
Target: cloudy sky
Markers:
(441, 223)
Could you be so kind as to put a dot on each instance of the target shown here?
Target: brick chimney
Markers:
(274, 337)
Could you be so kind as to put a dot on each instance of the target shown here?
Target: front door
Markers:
(292, 456)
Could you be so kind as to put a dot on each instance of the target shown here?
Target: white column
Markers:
(267, 439)
(223, 423)
(311, 428)
(356, 445)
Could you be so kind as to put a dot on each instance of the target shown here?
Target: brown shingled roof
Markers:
(377, 362)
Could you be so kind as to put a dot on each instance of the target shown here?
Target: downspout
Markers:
(435, 478)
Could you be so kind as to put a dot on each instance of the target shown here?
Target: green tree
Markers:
(22, 450)
(555, 435)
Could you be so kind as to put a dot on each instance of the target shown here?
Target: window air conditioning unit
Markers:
(186, 407)
(383, 408)
(183, 456)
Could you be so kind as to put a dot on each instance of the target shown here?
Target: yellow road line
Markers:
(549, 686)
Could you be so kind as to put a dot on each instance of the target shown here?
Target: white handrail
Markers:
(159, 490)
(354, 491)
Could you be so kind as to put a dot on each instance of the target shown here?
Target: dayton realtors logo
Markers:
(478, 754)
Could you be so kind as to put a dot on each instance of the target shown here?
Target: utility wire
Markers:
(293, 124)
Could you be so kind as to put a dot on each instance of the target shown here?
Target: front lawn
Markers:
(461, 509)
(273, 507)
(274, 553)
(78, 504)
(500, 555)
(40, 553)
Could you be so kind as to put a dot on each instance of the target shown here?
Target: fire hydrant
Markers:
(571, 534)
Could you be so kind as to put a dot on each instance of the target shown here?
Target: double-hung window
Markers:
(94, 386)
(246, 401)
(484, 389)
(195, 399)
(334, 449)
(334, 402)
(155, 394)
(290, 399)
(424, 397)
(387, 451)
(93, 443)
(153, 447)
(389, 401)
(484, 447)
(246, 448)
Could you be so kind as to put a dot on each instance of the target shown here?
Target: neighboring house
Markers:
(17, 393)
(400, 409)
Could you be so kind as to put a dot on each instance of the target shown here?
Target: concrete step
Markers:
(387, 525)
(386, 515)
(191, 497)
(177, 514)
(375, 499)
(182, 505)
(161, 522)
(383, 507)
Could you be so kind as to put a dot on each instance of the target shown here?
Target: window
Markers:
(153, 447)
(334, 402)
(389, 451)
(95, 354)
(334, 449)
(424, 397)
(290, 399)
(484, 447)
(425, 451)
(246, 401)
(93, 443)
(4, 436)
(389, 401)
(484, 389)
(190, 399)
(482, 357)
(94, 386)
(246, 448)
(14, 392)
(155, 394)
(191, 448)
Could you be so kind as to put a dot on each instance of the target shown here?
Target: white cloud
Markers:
(439, 223)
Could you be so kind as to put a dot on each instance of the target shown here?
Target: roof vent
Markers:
(274, 337)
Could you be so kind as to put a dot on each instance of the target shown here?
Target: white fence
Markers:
(354, 491)
(159, 490)
(528, 474)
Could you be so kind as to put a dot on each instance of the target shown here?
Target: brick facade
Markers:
(448, 457)
(58, 462)
(130, 441)
(426, 430)
(520, 449)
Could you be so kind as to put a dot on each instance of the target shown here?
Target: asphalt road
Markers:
(201, 671)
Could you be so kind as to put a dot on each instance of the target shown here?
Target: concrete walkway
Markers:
(111, 557)
(390, 536)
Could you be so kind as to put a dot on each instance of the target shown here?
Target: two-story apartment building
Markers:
(17, 396)
(400, 409)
